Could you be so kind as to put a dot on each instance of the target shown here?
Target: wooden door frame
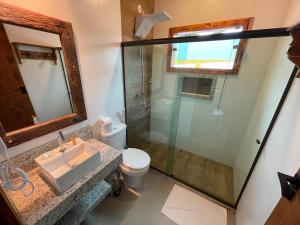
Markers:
(13, 15)
(282, 208)
(294, 50)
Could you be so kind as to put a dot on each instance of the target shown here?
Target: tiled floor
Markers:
(205, 175)
(128, 209)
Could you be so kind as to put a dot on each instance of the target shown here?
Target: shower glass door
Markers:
(149, 106)
(204, 129)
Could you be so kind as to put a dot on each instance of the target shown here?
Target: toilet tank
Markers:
(115, 138)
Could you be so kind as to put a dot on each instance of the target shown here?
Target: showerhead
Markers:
(160, 16)
(144, 23)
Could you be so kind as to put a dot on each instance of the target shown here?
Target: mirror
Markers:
(40, 87)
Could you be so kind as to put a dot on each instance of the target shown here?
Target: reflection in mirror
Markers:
(34, 87)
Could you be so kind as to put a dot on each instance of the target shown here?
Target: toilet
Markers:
(136, 162)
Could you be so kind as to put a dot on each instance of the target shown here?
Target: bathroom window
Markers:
(209, 57)
(199, 87)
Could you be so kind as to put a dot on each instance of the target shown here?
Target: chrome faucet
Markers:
(61, 140)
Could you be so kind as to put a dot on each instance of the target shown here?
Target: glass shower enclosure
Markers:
(203, 129)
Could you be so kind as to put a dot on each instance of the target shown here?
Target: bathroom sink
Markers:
(63, 169)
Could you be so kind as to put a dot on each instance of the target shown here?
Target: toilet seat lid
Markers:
(135, 158)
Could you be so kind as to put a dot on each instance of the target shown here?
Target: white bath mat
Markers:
(187, 208)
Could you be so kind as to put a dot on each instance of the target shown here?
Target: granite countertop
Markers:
(45, 206)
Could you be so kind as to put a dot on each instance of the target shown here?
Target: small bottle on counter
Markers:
(73, 139)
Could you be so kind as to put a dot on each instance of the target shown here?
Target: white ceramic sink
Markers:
(63, 169)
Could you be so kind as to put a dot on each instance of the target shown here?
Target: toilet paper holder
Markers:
(289, 185)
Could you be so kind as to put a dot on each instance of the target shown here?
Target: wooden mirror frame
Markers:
(25, 18)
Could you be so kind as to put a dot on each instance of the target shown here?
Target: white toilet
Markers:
(136, 162)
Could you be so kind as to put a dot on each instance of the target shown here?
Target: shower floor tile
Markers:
(205, 175)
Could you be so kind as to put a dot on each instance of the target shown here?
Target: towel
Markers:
(3, 151)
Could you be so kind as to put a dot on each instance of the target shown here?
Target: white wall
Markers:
(218, 137)
(44, 80)
(281, 153)
(202, 11)
(97, 31)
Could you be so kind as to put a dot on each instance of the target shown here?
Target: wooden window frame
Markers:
(13, 15)
(246, 23)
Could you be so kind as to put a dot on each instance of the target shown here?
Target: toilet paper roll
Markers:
(106, 123)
